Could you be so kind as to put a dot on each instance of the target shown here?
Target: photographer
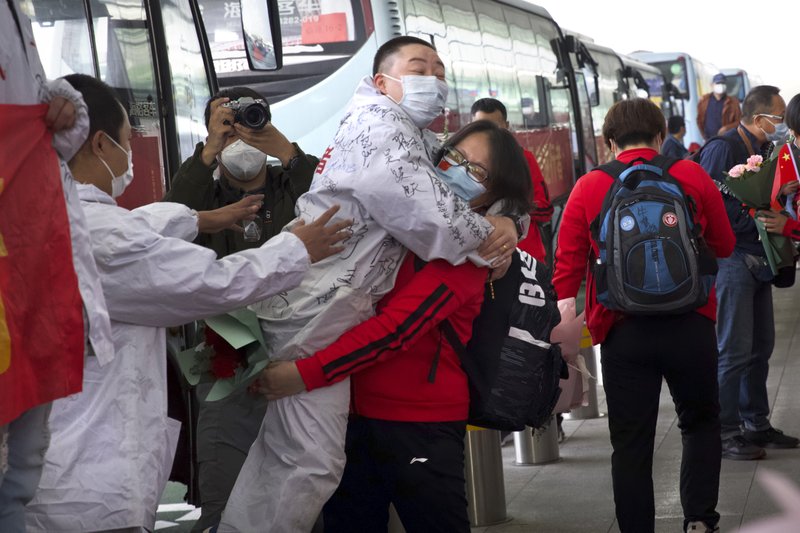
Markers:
(239, 154)
(228, 427)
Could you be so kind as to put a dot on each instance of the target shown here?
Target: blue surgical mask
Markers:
(458, 180)
(779, 135)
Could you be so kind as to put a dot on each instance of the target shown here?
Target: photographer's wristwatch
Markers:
(293, 161)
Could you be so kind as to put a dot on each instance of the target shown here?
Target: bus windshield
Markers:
(735, 85)
(675, 73)
(317, 36)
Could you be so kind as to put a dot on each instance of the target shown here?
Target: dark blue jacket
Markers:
(719, 155)
(672, 147)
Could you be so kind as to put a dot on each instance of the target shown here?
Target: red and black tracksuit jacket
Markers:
(391, 355)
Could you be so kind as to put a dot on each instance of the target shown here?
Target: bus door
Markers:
(121, 42)
(590, 159)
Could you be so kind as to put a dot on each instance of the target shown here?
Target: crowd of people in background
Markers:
(356, 258)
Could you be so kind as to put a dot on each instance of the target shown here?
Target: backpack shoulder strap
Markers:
(663, 161)
(724, 138)
(613, 168)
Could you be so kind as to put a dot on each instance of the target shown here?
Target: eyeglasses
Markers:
(474, 170)
(779, 118)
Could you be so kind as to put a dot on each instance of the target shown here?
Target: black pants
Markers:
(419, 467)
(636, 354)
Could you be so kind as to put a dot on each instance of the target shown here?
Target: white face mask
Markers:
(121, 182)
(423, 98)
(720, 88)
(243, 161)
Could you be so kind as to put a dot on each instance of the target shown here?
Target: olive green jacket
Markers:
(194, 186)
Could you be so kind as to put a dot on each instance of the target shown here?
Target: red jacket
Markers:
(404, 338)
(542, 211)
(583, 206)
(792, 229)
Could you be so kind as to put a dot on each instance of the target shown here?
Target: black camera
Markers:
(250, 112)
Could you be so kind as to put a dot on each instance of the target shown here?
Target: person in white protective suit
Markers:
(24, 440)
(112, 444)
(379, 170)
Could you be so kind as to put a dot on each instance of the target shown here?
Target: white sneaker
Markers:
(700, 527)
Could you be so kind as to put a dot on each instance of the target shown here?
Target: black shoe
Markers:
(700, 527)
(739, 449)
(771, 438)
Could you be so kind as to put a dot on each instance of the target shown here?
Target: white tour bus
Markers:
(690, 80)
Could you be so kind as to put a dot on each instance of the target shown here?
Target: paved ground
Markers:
(574, 494)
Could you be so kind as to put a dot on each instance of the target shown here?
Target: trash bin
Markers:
(483, 465)
(591, 410)
(537, 446)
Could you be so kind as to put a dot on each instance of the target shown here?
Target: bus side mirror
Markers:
(262, 34)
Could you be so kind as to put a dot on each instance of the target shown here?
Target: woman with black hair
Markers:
(405, 436)
(789, 164)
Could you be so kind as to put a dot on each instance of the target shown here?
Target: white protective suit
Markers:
(112, 445)
(379, 170)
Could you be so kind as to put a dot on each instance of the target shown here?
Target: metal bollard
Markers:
(537, 446)
(545, 443)
(523, 447)
(483, 465)
(591, 410)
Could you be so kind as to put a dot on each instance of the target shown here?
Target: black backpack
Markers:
(512, 369)
(653, 260)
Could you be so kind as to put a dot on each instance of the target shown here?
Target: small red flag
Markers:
(41, 321)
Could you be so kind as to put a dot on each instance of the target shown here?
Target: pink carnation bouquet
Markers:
(754, 184)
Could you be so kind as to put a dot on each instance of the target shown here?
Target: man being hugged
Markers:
(237, 154)
(379, 170)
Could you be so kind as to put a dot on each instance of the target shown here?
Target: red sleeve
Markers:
(792, 229)
(717, 231)
(574, 243)
(543, 209)
(431, 295)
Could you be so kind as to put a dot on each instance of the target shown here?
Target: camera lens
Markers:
(254, 116)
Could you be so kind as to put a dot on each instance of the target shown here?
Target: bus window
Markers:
(526, 62)
(122, 58)
(735, 85)
(466, 56)
(675, 73)
(544, 32)
(318, 36)
(497, 52)
(190, 85)
(62, 37)
(424, 20)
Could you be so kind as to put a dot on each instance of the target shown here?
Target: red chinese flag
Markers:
(785, 172)
(41, 321)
